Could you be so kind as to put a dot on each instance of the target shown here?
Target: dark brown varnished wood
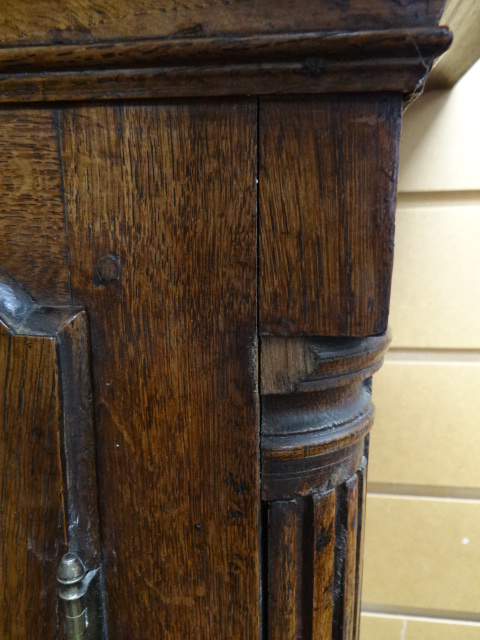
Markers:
(326, 227)
(261, 64)
(144, 214)
(33, 246)
(316, 414)
(324, 506)
(282, 569)
(313, 430)
(167, 193)
(78, 441)
(362, 498)
(76, 21)
(348, 47)
(346, 561)
(32, 537)
(64, 500)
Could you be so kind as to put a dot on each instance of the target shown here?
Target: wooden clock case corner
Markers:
(196, 247)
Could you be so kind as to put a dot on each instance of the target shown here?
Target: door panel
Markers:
(160, 202)
(33, 246)
(31, 529)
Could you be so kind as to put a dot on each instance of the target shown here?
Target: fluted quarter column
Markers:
(316, 415)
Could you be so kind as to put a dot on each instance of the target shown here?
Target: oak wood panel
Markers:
(76, 21)
(32, 226)
(327, 202)
(351, 559)
(32, 539)
(282, 570)
(362, 503)
(289, 365)
(64, 328)
(160, 204)
(345, 559)
(240, 50)
(315, 418)
(261, 78)
(324, 565)
(78, 441)
(431, 547)
(258, 64)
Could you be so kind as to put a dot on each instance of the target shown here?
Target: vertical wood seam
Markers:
(262, 508)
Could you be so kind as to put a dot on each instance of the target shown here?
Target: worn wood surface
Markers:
(313, 560)
(160, 239)
(326, 227)
(32, 227)
(145, 214)
(76, 21)
(362, 504)
(261, 64)
(294, 364)
(324, 506)
(316, 414)
(313, 427)
(282, 570)
(350, 593)
(160, 203)
(334, 47)
(67, 449)
(31, 528)
(78, 441)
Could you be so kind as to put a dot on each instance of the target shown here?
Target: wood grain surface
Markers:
(316, 411)
(327, 202)
(315, 418)
(362, 504)
(324, 506)
(160, 239)
(78, 441)
(32, 227)
(160, 203)
(289, 365)
(282, 570)
(260, 64)
(313, 564)
(31, 532)
(77, 21)
(244, 51)
(346, 560)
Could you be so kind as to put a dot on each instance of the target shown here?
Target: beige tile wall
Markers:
(435, 301)
(427, 427)
(423, 553)
(377, 626)
(422, 550)
(439, 149)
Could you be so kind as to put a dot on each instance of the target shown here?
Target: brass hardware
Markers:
(78, 589)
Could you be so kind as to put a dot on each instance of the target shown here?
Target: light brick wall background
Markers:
(422, 551)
